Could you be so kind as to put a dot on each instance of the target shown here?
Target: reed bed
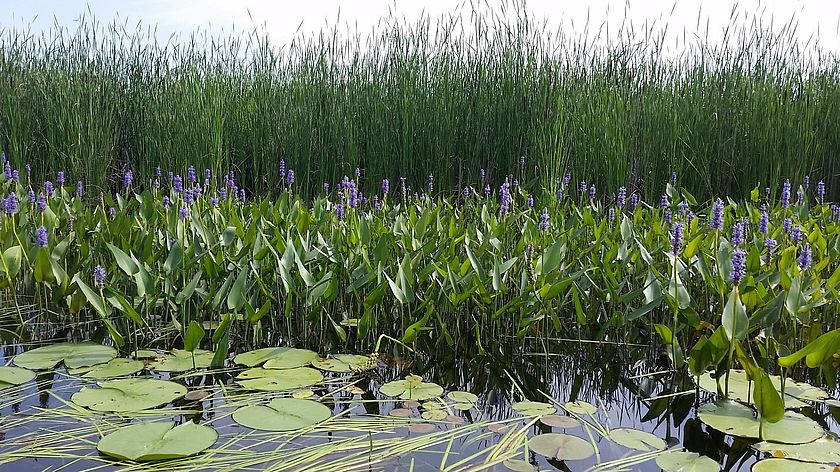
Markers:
(444, 96)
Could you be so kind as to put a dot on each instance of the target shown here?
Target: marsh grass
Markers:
(446, 96)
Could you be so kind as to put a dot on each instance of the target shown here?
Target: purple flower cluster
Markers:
(386, 187)
(80, 189)
(805, 257)
(183, 212)
(177, 184)
(663, 201)
(621, 198)
(11, 204)
(668, 216)
(41, 237)
(677, 237)
(739, 266)
(49, 188)
(716, 221)
(764, 223)
(738, 233)
(796, 234)
(592, 192)
(785, 201)
(530, 201)
(99, 276)
(191, 178)
(290, 177)
(505, 199)
(634, 201)
(611, 214)
(41, 203)
(544, 219)
(821, 191)
(60, 178)
(127, 179)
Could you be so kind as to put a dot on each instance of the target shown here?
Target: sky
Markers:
(817, 20)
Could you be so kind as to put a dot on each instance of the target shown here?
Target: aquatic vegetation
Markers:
(282, 414)
(157, 441)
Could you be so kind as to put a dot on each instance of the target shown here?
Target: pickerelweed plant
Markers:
(345, 266)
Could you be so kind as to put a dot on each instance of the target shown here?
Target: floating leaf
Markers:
(580, 408)
(11, 376)
(74, 355)
(422, 428)
(282, 414)
(741, 389)
(518, 465)
(559, 421)
(433, 415)
(564, 447)
(118, 367)
(635, 439)
(182, 361)
(463, 397)
(400, 412)
(786, 465)
(411, 389)
(280, 357)
(271, 380)
(529, 408)
(128, 394)
(822, 450)
(683, 461)
(738, 420)
(342, 363)
(157, 441)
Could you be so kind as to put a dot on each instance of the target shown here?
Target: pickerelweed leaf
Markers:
(73, 355)
(738, 420)
(11, 376)
(124, 395)
(564, 447)
(636, 439)
(157, 441)
(684, 461)
(282, 414)
(271, 380)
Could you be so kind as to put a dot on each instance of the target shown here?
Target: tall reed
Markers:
(445, 97)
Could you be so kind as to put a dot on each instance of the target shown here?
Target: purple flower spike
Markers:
(621, 198)
(530, 201)
(739, 266)
(716, 221)
(60, 178)
(80, 189)
(805, 257)
(785, 200)
(592, 192)
(41, 237)
(677, 238)
(764, 223)
(544, 219)
(183, 212)
(41, 203)
(99, 276)
(386, 186)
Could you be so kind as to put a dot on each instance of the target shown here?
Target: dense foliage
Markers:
(445, 97)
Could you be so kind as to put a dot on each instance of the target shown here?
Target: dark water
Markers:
(630, 384)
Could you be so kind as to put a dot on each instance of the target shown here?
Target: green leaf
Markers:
(193, 336)
(734, 319)
(282, 414)
(132, 394)
(124, 261)
(816, 352)
(157, 441)
(173, 261)
(236, 296)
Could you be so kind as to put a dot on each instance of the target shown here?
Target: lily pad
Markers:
(786, 465)
(518, 465)
(182, 361)
(741, 389)
(822, 450)
(564, 447)
(559, 421)
(529, 408)
(433, 415)
(118, 367)
(11, 376)
(635, 439)
(276, 357)
(462, 397)
(683, 461)
(133, 394)
(738, 420)
(580, 408)
(343, 363)
(271, 380)
(411, 389)
(422, 428)
(157, 441)
(74, 355)
(282, 414)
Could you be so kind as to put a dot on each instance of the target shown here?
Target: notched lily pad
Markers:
(529, 408)
(564, 447)
(738, 420)
(580, 408)
(182, 361)
(157, 441)
(282, 414)
(133, 394)
(741, 389)
(635, 439)
(684, 461)
(411, 388)
(822, 451)
(119, 367)
(276, 357)
(73, 355)
(272, 380)
(787, 465)
(518, 465)
(11, 376)
(559, 421)
(344, 363)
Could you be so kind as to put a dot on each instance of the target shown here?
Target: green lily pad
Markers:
(282, 414)
(786, 465)
(559, 421)
(529, 408)
(822, 450)
(462, 397)
(272, 380)
(276, 357)
(580, 408)
(411, 389)
(11, 376)
(564, 447)
(635, 439)
(119, 367)
(433, 415)
(74, 355)
(518, 465)
(738, 420)
(157, 441)
(343, 363)
(133, 394)
(145, 354)
(182, 361)
(741, 389)
(683, 461)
